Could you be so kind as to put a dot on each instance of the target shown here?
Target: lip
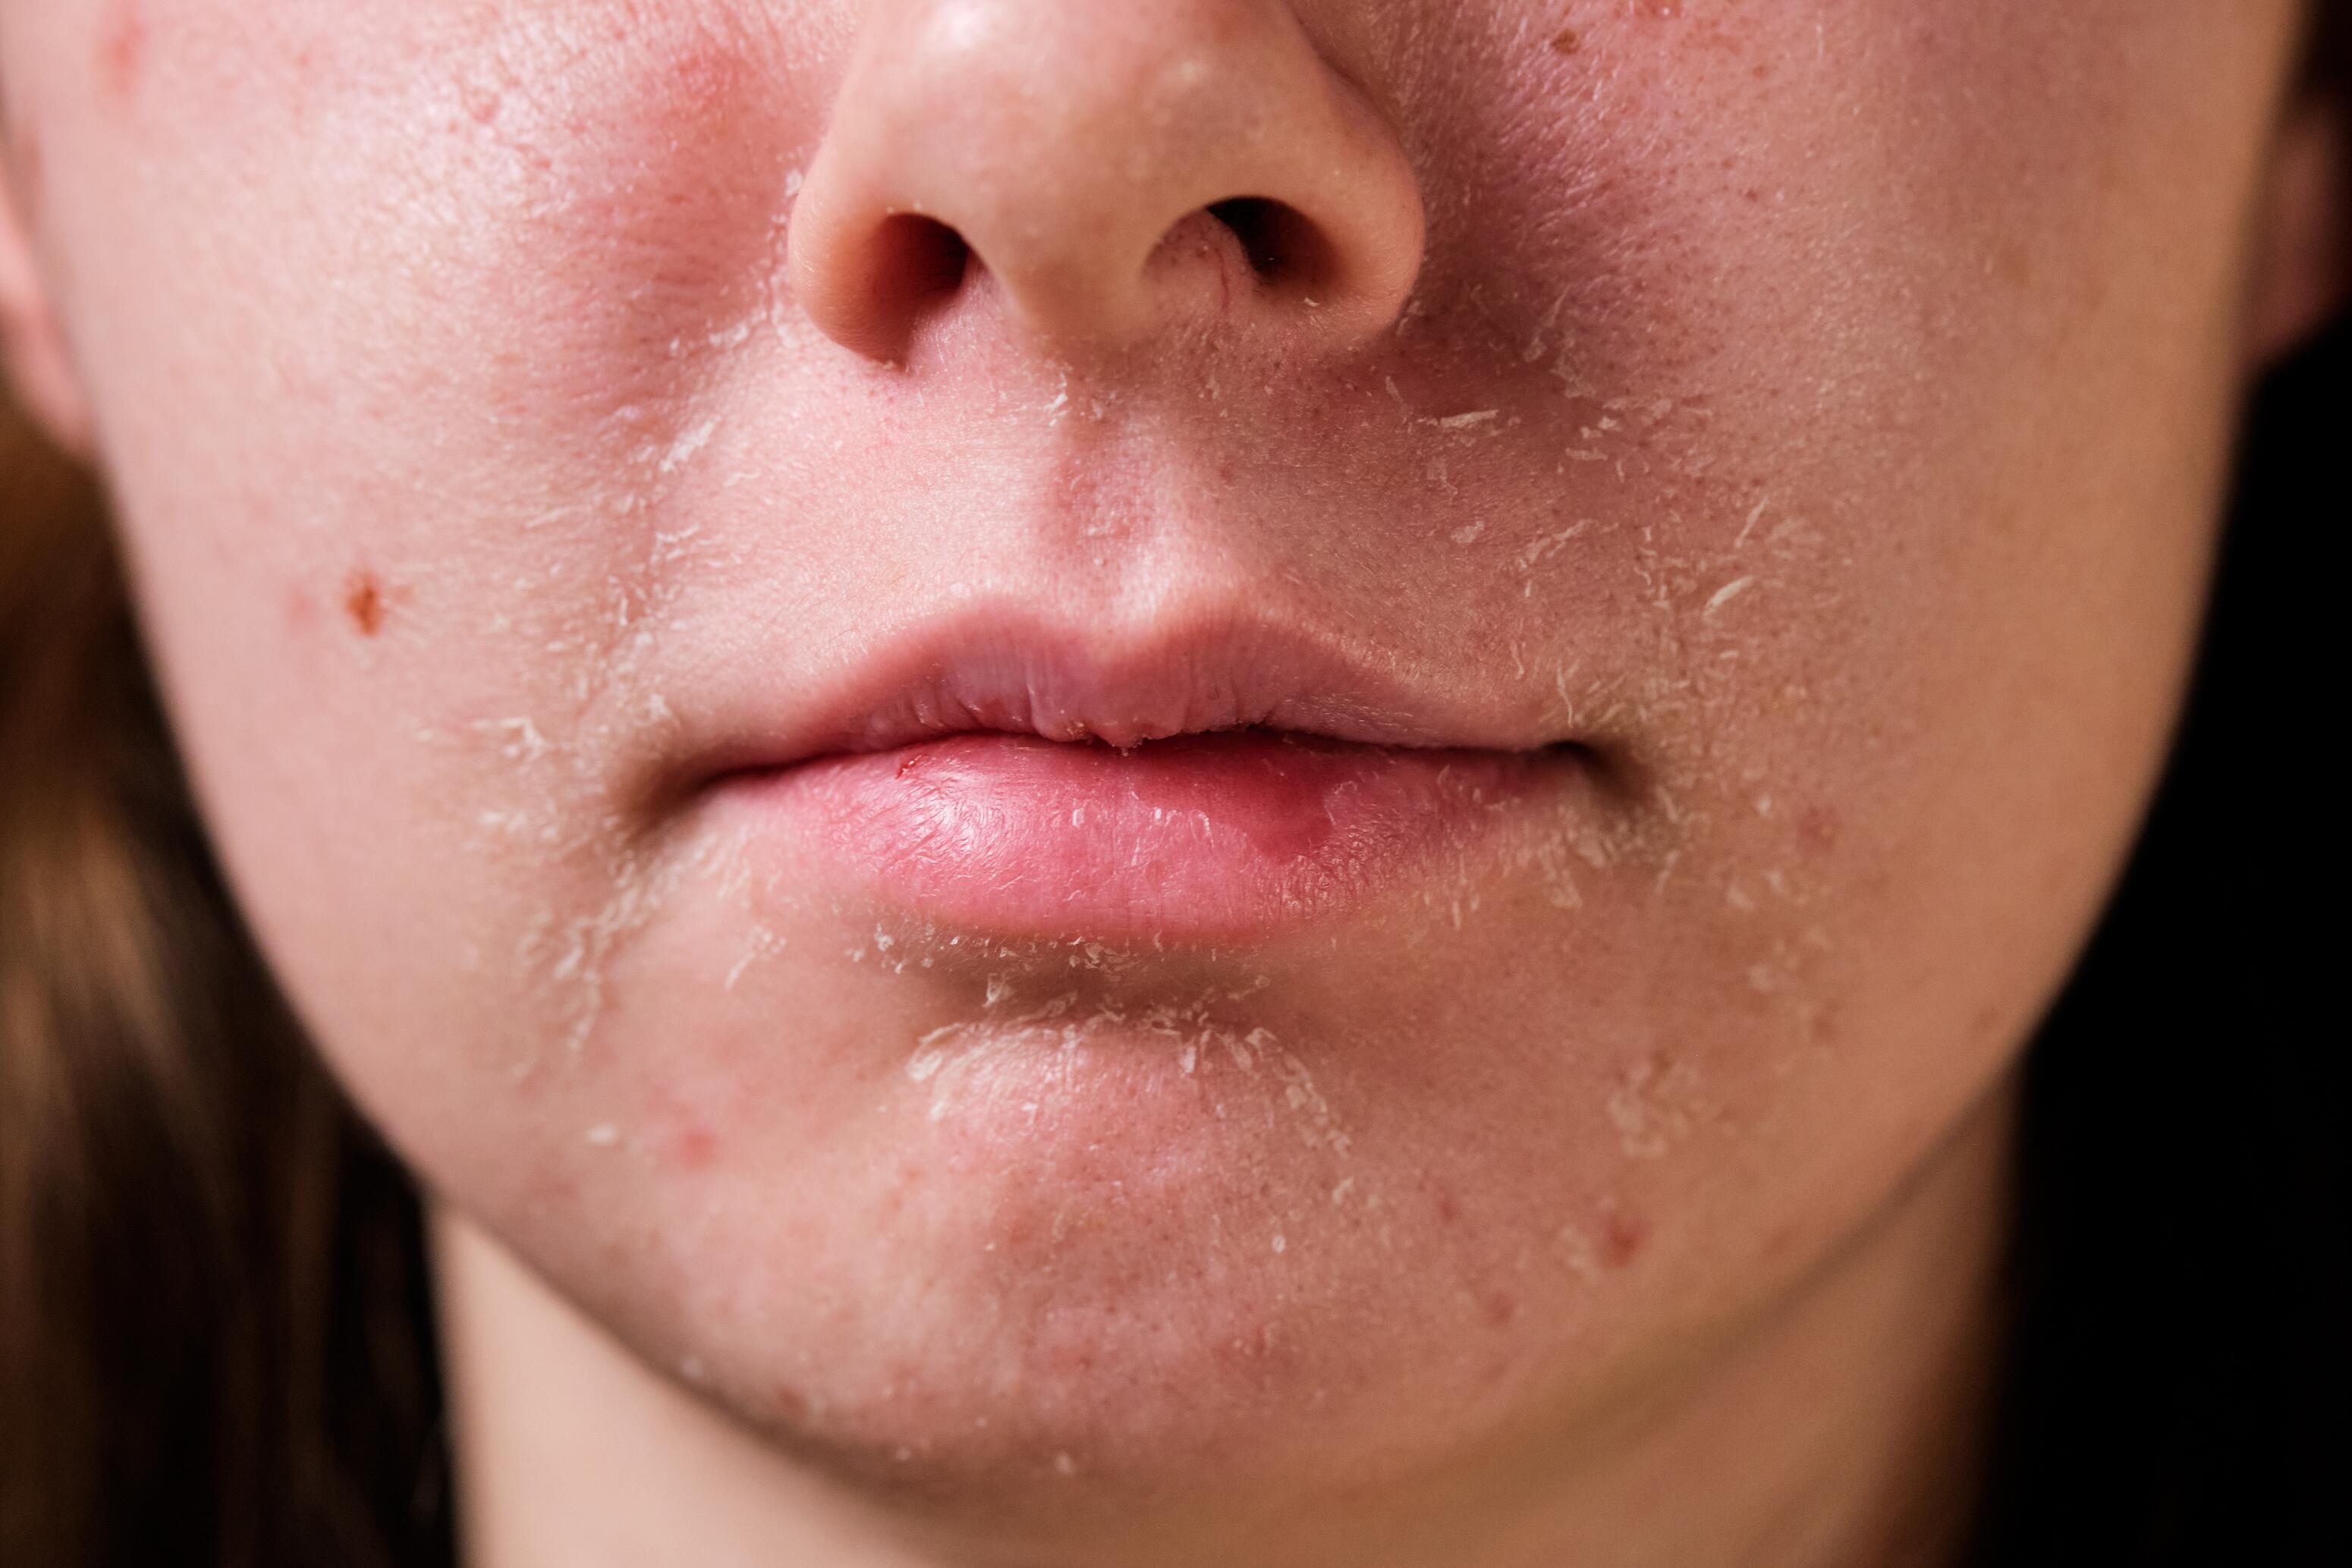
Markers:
(1212, 782)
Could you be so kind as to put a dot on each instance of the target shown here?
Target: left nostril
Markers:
(1285, 247)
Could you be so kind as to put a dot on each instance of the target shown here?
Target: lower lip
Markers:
(1199, 837)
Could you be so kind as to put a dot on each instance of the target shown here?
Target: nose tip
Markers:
(1079, 154)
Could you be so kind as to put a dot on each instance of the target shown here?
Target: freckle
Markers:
(364, 602)
(1621, 1239)
(122, 51)
(1567, 41)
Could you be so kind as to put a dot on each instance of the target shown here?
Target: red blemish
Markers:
(364, 602)
(1817, 830)
(692, 1148)
(122, 42)
(791, 1408)
(1501, 1308)
(907, 765)
(1620, 1238)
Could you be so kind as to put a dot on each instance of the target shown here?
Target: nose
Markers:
(1086, 156)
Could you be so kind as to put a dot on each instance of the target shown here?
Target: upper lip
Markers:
(1002, 668)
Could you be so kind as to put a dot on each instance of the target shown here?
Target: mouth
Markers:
(1215, 785)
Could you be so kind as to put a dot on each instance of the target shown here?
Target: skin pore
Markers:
(1795, 430)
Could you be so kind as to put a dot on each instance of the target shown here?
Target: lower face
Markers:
(1806, 430)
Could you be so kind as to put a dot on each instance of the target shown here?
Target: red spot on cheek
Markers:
(692, 1147)
(1817, 830)
(123, 40)
(363, 603)
(368, 600)
(1622, 1239)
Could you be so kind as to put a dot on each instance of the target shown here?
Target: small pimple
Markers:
(692, 1148)
(121, 52)
(1622, 1239)
(1817, 830)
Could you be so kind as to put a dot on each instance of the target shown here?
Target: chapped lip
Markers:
(1208, 780)
(999, 669)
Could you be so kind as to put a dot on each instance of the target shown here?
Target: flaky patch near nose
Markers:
(1078, 152)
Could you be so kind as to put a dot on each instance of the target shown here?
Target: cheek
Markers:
(439, 260)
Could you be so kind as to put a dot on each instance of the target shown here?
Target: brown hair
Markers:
(213, 1328)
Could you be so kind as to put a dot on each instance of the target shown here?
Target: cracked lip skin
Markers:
(1216, 781)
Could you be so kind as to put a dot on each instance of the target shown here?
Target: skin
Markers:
(504, 399)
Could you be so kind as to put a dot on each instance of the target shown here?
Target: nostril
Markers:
(1253, 220)
(1285, 247)
(919, 261)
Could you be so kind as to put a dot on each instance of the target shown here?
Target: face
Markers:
(1688, 519)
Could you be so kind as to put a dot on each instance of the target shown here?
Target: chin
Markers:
(1074, 1257)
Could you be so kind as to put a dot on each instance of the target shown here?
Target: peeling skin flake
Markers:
(1728, 593)
(689, 442)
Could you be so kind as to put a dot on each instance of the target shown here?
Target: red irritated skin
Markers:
(1178, 779)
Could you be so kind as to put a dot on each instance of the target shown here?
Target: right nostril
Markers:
(1253, 220)
(1283, 246)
